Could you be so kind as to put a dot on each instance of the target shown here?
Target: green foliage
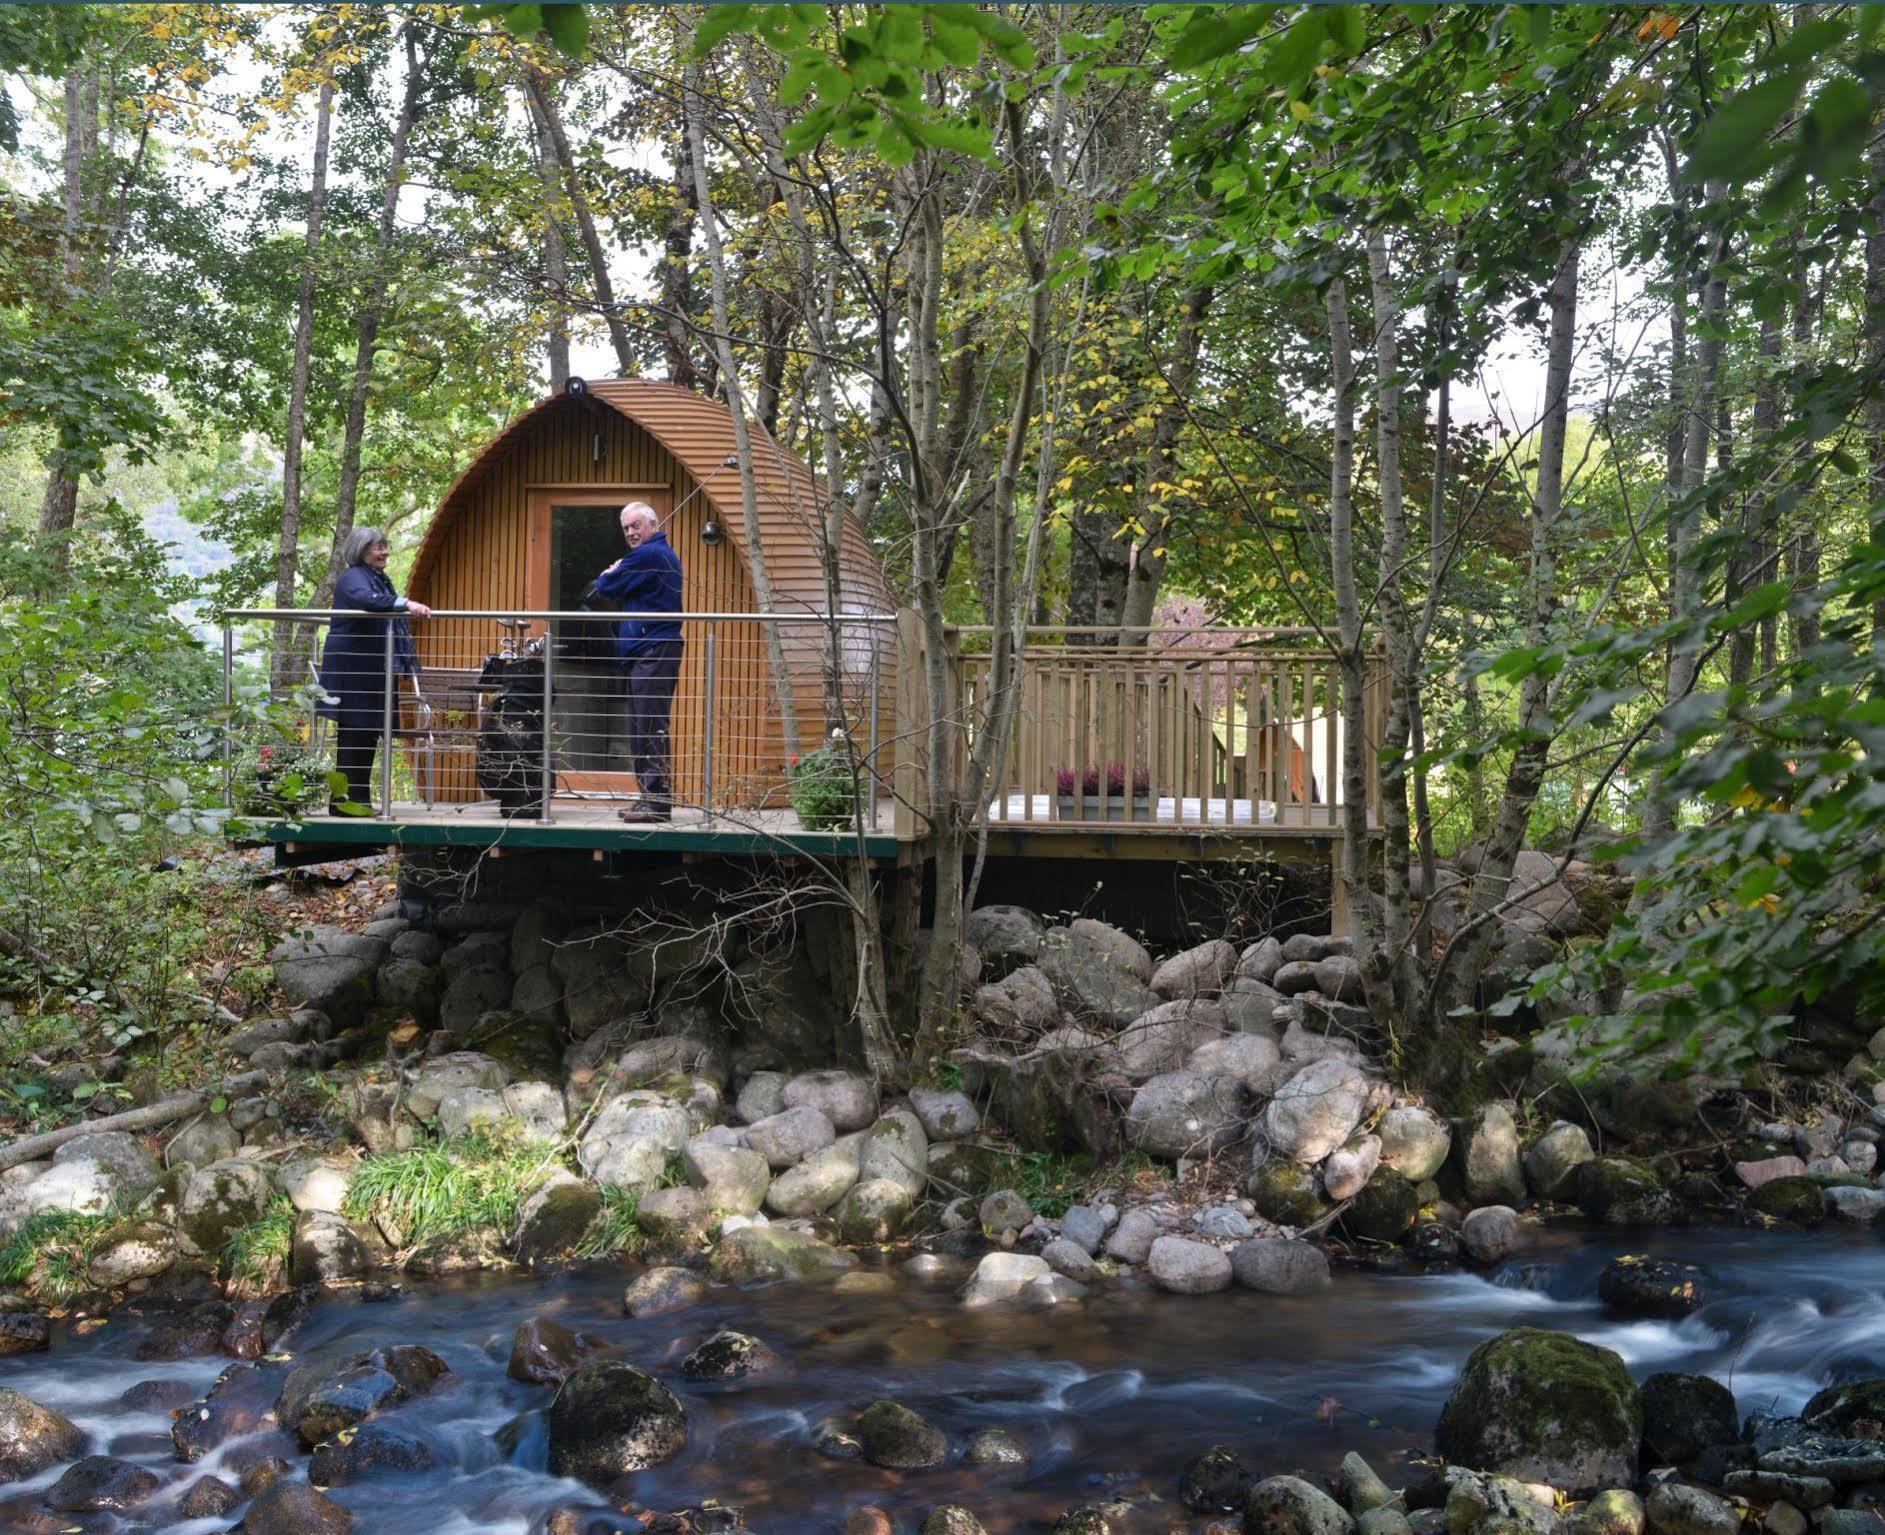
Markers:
(254, 1256)
(823, 788)
(277, 778)
(1050, 1183)
(435, 1190)
(614, 1230)
(49, 1252)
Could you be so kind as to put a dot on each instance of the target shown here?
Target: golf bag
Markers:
(510, 737)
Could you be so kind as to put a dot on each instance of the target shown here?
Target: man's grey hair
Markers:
(353, 548)
(642, 512)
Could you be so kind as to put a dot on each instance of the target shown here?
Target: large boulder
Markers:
(1552, 1163)
(1287, 1505)
(1164, 1037)
(294, 1508)
(1385, 1210)
(471, 992)
(817, 1183)
(945, 1115)
(757, 1254)
(849, 1101)
(371, 1450)
(408, 988)
(1280, 1266)
(610, 1418)
(319, 1400)
(895, 1148)
(1181, 1114)
(1021, 1002)
(546, 1353)
(1487, 1150)
(1684, 1415)
(630, 1140)
(1101, 974)
(1003, 1277)
(873, 1211)
(733, 1178)
(554, 1218)
(1544, 1407)
(899, 1439)
(1250, 1007)
(598, 990)
(1186, 1267)
(33, 1437)
(789, 1137)
(330, 969)
(1196, 973)
(1315, 1111)
(456, 1069)
(207, 1138)
(90, 1174)
(1621, 1191)
(1347, 1169)
(221, 1199)
(101, 1484)
(1007, 937)
(1252, 1059)
(330, 1249)
(1856, 1408)
(139, 1249)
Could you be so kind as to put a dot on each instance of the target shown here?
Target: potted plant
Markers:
(280, 780)
(1101, 794)
(822, 787)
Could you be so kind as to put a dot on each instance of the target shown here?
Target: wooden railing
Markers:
(1194, 728)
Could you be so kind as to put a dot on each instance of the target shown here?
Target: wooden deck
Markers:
(1174, 828)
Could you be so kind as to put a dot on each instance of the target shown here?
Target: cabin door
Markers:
(575, 534)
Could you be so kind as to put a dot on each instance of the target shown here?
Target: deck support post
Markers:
(229, 717)
(708, 667)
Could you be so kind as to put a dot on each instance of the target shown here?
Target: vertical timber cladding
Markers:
(478, 554)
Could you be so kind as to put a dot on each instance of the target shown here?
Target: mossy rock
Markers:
(610, 1418)
(1384, 1211)
(1856, 1408)
(1800, 1201)
(1287, 1193)
(1621, 1191)
(1683, 1415)
(1544, 1407)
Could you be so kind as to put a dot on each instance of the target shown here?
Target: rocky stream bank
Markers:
(435, 1104)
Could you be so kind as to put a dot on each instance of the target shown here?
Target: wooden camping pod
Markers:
(500, 541)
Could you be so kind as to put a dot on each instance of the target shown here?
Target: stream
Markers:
(1110, 1397)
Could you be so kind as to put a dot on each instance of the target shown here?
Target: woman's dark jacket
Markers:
(353, 664)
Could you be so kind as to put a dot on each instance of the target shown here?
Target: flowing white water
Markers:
(1109, 1397)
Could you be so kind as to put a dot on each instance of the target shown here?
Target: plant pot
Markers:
(1108, 807)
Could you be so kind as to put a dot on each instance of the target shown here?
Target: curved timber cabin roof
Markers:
(641, 432)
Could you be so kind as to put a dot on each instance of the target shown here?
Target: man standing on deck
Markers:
(647, 580)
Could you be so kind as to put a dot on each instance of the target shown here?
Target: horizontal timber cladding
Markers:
(487, 548)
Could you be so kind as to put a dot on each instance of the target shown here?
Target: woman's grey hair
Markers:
(354, 549)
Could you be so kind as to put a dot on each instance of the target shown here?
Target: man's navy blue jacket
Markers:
(647, 579)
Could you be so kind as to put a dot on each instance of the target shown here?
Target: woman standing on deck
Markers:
(353, 664)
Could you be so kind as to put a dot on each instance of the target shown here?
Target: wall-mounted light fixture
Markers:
(575, 385)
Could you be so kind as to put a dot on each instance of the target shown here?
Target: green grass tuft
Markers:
(255, 1255)
(1049, 1183)
(433, 1191)
(614, 1230)
(50, 1250)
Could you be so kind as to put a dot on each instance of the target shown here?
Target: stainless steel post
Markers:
(706, 726)
(549, 754)
(229, 717)
(386, 732)
(876, 634)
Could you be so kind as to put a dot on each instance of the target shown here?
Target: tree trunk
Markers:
(1348, 628)
(544, 101)
(288, 540)
(1685, 511)
(555, 252)
(367, 324)
(755, 550)
(58, 509)
(1148, 565)
(1458, 971)
(677, 270)
(1875, 354)
(1767, 538)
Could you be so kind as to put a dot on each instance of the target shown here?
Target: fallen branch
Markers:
(149, 1117)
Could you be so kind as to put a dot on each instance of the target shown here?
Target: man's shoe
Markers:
(637, 815)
